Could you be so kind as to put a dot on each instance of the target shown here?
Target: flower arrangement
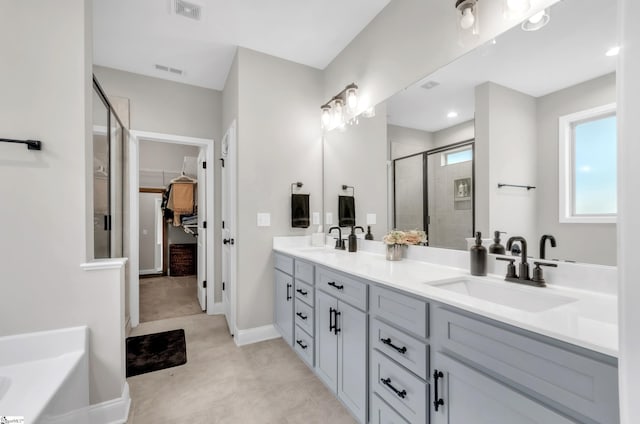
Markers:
(405, 237)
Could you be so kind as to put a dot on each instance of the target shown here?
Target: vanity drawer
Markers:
(405, 392)
(304, 316)
(344, 288)
(303, 345)
(304, 292)
(381, 413)
(304, 271)
(404, 349)
(555, 373)
(283, 263)
(407, 312)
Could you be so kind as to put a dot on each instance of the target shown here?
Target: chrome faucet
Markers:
(339, 241)
(543, 243)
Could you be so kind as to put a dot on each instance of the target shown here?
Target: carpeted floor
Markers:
(168, 297)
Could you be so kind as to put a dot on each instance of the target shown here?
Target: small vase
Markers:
(394, 252)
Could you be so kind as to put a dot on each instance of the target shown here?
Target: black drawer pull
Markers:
(387, 382)
(302, 292)
(387, 341)
(288, 295)
(302, 345)
(438, 400)
(301, 315)
(333, 284)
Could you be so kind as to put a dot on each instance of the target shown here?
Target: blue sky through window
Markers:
(595, 167)
(459, 157)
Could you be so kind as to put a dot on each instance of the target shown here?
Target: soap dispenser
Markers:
(368, 236)
(478, 256)
(496, 247)
(353, 240)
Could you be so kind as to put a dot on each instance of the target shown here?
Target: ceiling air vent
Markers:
(164, 68)
(186, 9)
(429, 85)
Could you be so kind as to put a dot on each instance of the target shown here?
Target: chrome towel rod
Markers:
(31, 144)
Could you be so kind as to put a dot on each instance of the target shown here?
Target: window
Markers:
(457, 156)
(588, 153)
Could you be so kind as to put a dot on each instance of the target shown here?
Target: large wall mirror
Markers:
(477, 144)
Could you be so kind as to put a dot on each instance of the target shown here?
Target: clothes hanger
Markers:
(183, 179)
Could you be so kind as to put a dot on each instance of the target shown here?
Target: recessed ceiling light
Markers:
(537, 21)
(613, 51)
(452, 114)
(430, 84)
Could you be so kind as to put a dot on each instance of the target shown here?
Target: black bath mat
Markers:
(153, 352)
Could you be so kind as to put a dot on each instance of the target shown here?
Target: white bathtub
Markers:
(44, 376)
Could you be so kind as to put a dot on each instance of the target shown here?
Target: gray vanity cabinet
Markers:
(284, 305)
(341, 339)
(471, 397)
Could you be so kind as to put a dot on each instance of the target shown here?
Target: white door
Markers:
(228, 155)
(202, 233)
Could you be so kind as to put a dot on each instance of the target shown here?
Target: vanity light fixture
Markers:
(613, 51)
(369, 113)
(468, 15)
(340, 109)
(537, 21)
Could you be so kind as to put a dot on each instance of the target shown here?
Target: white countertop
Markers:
(591, 321)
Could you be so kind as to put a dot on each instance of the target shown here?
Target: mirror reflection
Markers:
(537, 109)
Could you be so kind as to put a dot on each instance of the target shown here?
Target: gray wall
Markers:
(168, 107)
(47, 95)
(409, 193)
(407, 141)
(279, 142)
(455, 134)
(593, 243)
(357, 157)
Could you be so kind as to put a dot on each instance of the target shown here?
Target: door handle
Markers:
(400, 393)
(438, 400)
(301, 315)
(336, 314)
(288, 293)
(333, 284)
(302, 345)
(229, 241)
(388, 342)
(302, 292)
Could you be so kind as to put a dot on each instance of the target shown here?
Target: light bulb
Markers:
(352, 99)
(613, 51)
(518, 6)
(338, 113)
(452, 114)
(467, 20)
(535, 19)
(326, 116)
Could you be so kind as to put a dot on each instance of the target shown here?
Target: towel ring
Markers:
(353, 190)
(296, 184)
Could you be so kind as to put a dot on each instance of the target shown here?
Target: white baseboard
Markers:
(216, 309)
(149, 271)
(255, 335)
(114, 411)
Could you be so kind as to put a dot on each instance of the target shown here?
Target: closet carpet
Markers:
(262, 383)
(168, 297)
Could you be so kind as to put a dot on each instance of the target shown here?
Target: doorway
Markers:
(173, 252)
(229, 260)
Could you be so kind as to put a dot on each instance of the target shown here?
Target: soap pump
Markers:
(368, 236)
(496, 247)
(353, 240)
(478, 256)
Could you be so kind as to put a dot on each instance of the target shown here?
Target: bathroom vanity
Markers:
(417, 342)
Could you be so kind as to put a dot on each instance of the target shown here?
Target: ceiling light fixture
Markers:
(613, 51)
(452, 114)
(467, 15)
(340, 109)
(513, 8)
(537, 21)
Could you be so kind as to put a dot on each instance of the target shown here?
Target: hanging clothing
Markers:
(181, 200)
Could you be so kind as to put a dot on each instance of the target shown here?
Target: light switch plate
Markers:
(328, 219)
(371, 219)
(264, 219)
(316, 218)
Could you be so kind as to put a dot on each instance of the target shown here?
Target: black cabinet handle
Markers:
(387, 341)
(301, 315)
(331, 316)
(401, 393)
(289, 293)
(302, 292)
(438, 400)
(333, 284)
(302, 345)
(336, 330)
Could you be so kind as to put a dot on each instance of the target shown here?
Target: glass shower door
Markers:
(101, 179)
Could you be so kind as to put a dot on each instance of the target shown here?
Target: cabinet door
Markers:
(352, 359)
(472, 397)
(326, 340)
(284, 305)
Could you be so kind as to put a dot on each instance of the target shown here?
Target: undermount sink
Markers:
(527, 299)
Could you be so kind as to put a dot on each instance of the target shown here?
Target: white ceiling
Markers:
(134, 35)
(569, 50)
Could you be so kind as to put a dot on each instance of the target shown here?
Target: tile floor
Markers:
(168, 297)
(262, 383)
